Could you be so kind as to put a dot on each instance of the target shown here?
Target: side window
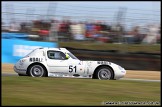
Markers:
(51, 55)
(56, 55)
(63, 56)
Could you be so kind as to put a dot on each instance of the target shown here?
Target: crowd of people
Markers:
(67, 30)
(72, 30)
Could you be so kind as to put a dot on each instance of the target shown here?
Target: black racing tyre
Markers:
(104, 73)
(37, 71)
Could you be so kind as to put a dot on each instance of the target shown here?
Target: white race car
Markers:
(59, 62)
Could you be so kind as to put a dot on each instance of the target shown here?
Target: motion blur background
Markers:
(127, 33)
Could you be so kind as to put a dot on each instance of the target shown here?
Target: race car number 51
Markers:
(72, 68)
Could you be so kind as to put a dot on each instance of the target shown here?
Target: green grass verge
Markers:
(71, 91)
(109, 46)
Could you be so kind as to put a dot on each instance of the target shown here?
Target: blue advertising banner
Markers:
(7, 35)
(13, 50)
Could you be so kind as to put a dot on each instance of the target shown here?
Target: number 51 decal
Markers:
(71, 68)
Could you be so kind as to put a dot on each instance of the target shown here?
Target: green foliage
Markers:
(109, 46)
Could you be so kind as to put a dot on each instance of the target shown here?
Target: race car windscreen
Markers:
(29, 53)
(72, 56)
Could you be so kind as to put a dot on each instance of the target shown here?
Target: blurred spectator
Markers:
(151, 37)
(26, 27)
(135, 32)
(129, 38)
(14, 27)
(89, 30)
(78, 31)
(64, 29)
(44, 34)
(53, 35)
(95, 31)
(159, 35)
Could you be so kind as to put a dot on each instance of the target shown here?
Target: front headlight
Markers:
(120, 67)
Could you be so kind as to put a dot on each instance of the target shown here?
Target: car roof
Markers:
(55, 49)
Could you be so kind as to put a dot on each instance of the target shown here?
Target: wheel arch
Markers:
(37, 63)
(95, 71)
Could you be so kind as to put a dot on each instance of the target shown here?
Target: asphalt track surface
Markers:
(145, 80)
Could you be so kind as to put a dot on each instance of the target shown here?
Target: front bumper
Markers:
(19, 71)
(120, 73)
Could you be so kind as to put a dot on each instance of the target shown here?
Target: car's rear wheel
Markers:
(37, 71)
(104, 73)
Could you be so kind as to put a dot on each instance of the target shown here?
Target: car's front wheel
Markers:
(104, 73)
(37, 71)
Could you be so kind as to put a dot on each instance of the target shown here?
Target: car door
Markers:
(57, 62)
(76, 66)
